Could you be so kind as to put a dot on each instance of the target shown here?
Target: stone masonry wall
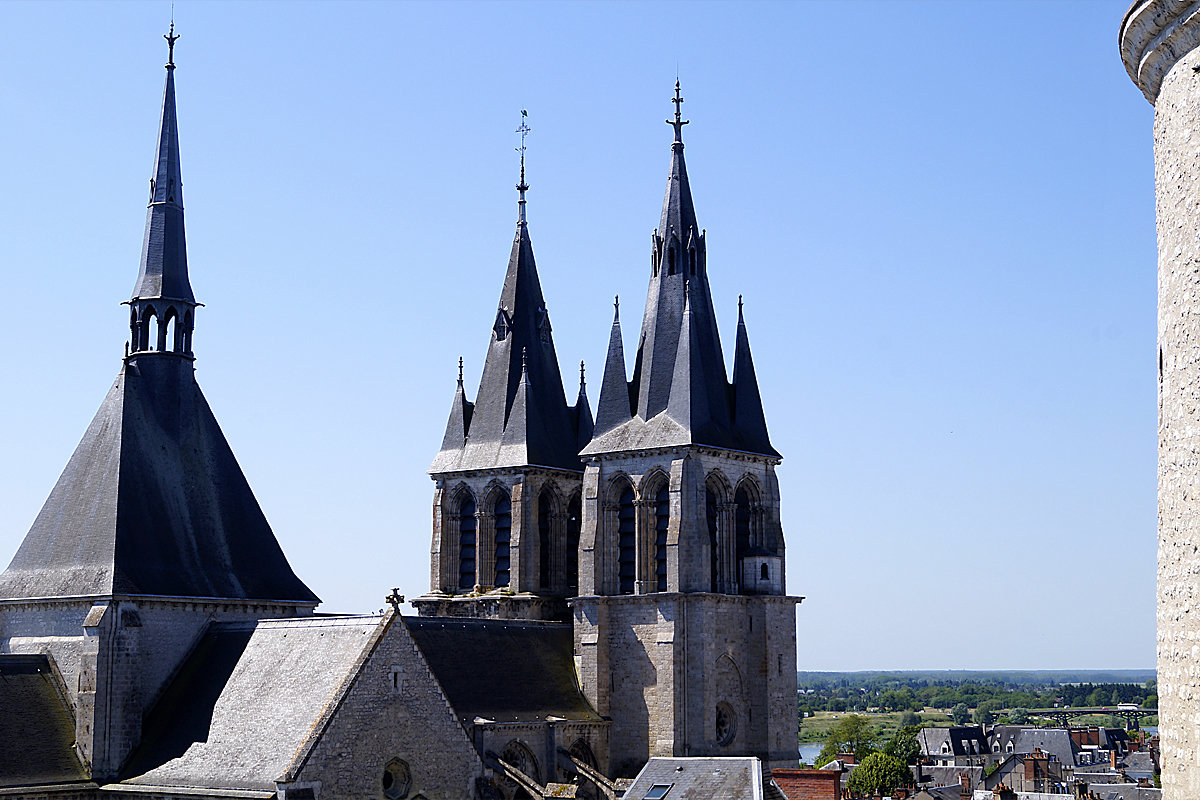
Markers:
(1177, 176)
(394, 710)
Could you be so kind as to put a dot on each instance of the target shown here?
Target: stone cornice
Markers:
(1155, 34)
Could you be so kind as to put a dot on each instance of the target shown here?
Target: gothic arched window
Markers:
(662, 521)
(574, 525)
(502, 517)
(545, 525)
(711, 512)
(466, 542)
(626, 541)
(741, 525)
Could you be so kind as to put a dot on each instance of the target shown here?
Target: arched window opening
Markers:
(662, 521)
(741, 525)
(763, 573)
(711, 511)
(150, 323)
(574, 525)
(187, 332)
(626, 540)
(466, 543)
(169, 331)
(502, 516)
(545, 508)
(134, 339)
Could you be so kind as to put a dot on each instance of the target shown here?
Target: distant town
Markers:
(976, 736)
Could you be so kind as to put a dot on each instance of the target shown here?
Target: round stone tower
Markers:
(1159, 45)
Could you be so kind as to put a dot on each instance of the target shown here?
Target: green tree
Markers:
(960, 714)
(903, 745)
(1151, 701)
(910, 719)
(982, 716)
(851, 734)
(878, 773)
(1019, 716)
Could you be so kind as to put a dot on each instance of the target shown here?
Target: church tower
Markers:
(152, 531)
(683, 632)
(507, 503)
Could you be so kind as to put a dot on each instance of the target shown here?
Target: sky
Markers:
(940, 216)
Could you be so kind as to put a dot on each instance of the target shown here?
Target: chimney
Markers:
(964, 786)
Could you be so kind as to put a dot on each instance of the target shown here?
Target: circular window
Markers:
(397, 780)
(726, 727)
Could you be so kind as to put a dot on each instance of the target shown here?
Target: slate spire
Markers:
(613, 407)
(680, 392)
(153, 501)
(162, 308)
(520, 415)
(749, 420)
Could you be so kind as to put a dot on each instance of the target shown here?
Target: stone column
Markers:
(1158, 41)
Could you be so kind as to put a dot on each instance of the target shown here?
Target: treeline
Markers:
(890, 692)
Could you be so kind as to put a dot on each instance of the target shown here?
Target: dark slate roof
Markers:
(503, 670)
(700, 778)
(520, 415)
(163, 270)
(243, 706)
(964, 740)
(153, 503)
(37, 731)
(1054, 741)
(679, 393)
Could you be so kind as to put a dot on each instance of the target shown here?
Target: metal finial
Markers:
(395, 599)
(524, 358)
(460, 370)
(678, 122)
(522, 187)
(171, 39)
(581, 378)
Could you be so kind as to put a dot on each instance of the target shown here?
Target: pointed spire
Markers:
(163, 292)
(613, 407)
(749, 420)
(458, 425)
(688, 404)
(584, 424)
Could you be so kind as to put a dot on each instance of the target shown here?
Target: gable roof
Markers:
(700, 779)
(503, 670)
(246, 700)
(153, 502)
(37, 730)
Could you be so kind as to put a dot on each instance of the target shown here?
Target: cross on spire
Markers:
(522, 187)
(171, 39)
(678, 122)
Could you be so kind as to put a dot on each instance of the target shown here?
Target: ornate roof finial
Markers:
(522, 186)
(678, 122)
(616, 306)
(460, 370)
(739, 309)
(171, 39)
(581, 378)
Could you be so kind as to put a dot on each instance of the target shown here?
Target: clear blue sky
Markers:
(940, 216)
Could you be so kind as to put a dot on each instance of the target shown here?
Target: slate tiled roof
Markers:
(246, 700)
(1054, 741)
(37, 731)
(700, 779)
(153, 502)
(679, 393)
(503, 670)
(520, 415)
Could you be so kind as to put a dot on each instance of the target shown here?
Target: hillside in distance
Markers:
(1006, 678)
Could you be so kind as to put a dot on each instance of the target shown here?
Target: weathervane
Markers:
(522, 186)
(678, 122)
(171, 39)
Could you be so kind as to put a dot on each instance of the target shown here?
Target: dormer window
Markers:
(503, 324)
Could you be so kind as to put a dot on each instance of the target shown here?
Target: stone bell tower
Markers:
(506, 508)
(684, 634)
(1159, 44)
